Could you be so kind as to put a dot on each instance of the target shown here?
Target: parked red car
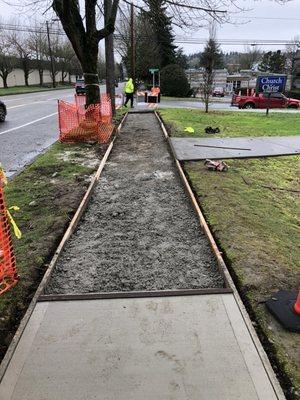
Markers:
(262, 100)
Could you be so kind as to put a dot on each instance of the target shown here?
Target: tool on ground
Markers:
(216, 165)
(221, 147)
(209, 129)
(189, 129)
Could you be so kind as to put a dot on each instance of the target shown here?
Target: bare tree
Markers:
(7, 59)
(37, 43)
(250, 57)
(208, 61)
(290, 52)
(19, 41)
(64, 55)
(84, 35)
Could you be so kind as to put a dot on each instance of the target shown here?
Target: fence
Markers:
(80, 124)
(8, 270)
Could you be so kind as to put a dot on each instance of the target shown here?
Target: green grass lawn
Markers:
(29, 89)
(254, 213)
(232, 124)
(48, 193)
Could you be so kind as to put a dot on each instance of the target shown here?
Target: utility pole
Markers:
(109, 58)
(132, 41)
(51, 56)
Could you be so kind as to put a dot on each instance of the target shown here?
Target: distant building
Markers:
(243, 79)
(195, 78)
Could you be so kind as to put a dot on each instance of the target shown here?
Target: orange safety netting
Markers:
(8, 270)
(78, 124)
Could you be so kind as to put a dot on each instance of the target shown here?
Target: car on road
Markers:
(264, 100)
(3, 111)
(80, 86)
(218, 92)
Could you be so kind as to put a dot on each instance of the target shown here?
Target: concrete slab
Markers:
(221, 148)
(190, 347)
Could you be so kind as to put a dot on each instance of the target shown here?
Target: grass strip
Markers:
(30, 89)
(231, 124)
(253, 211)
(48, 193)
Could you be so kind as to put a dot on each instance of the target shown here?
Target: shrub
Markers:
(174, 81)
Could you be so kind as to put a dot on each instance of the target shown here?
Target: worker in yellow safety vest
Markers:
(129, 90)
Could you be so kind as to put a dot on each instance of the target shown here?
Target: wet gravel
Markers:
(140, 231)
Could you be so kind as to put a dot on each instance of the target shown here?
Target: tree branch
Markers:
(69, 15)
(208, 10)
(110, 24)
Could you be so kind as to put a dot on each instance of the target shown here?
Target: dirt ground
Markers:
(140, 231)
(48, 193)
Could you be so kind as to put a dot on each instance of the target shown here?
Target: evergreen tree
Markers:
(174, 81)
(273, 61)
(162, 28)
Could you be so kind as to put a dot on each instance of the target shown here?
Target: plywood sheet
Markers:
(221, 148)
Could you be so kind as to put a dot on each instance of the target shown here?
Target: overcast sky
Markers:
(284, 25)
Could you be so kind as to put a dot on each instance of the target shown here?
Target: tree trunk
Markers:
(26, 78)
(4, 75)
(206, 106)
(109, 59)
(41, 74)
(90, 74)
(110, 70)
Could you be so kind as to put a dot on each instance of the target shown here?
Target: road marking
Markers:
(28, 123)
(19, 98)
(37, 102)
(22, 105)
(35, 95)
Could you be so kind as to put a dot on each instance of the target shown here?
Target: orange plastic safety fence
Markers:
(78, 124)
(8, 271)
(106, 110)
(105, 106)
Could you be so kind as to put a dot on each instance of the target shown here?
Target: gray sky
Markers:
(284, 28)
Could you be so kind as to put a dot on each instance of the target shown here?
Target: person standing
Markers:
(129, 90)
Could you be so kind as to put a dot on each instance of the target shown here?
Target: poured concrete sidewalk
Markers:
(179, 348)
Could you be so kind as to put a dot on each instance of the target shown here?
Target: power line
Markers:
(177, 39)
(270, 18)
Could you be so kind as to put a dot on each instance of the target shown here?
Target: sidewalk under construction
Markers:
(139, 303)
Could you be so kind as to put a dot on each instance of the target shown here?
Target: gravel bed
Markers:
(140, 231)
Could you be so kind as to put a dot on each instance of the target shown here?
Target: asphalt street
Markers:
(30, 127)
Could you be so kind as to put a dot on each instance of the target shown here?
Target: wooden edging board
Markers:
(84, 202)
(260, 350)
(133, 294)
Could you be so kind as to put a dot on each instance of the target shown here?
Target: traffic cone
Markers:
(297, 304)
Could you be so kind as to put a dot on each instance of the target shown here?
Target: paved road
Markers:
(31, 126)
(215, 106)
